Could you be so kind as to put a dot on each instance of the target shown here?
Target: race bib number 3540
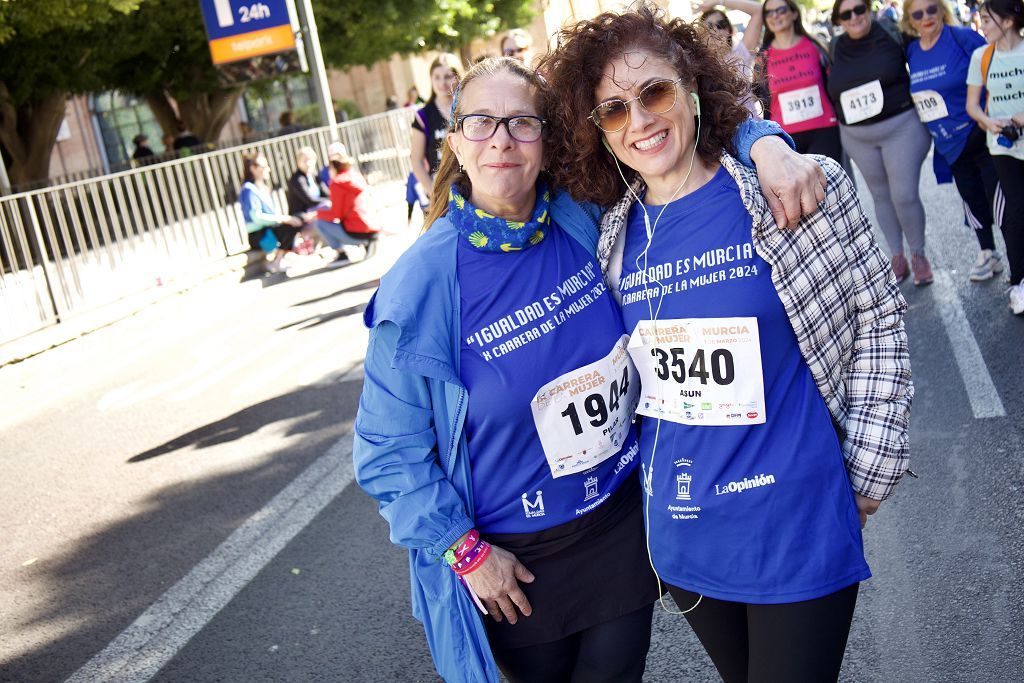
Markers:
(584, 416)
(700, 371)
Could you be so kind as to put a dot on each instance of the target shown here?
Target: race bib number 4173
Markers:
(584, 416)
(700, 371)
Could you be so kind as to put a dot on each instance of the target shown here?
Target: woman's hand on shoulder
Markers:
(793, 184)
(496, 583)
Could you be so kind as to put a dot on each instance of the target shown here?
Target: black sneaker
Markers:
(340, 260)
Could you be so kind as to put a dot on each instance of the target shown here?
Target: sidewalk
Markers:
(244, 266)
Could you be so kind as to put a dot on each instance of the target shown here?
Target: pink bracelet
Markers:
(471, 540)
(473, 559)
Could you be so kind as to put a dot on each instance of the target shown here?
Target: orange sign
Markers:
(252, 44)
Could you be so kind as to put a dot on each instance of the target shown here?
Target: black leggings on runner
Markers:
(612, 652)
(793, 642)
(1011, 176)
(975, 178)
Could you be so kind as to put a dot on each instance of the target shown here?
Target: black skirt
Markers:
(588, 571)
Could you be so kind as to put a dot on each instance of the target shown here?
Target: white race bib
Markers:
(583, 417)
(862, 102)
(930, 105)
(800, 105)
(700, 371)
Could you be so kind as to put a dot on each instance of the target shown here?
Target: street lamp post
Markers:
(315, 58)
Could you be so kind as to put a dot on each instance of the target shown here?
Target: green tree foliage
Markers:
(48, 51)
(163, 57)
(361, 32)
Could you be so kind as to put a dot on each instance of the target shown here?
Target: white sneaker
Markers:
(1017, 298)
(986, 266)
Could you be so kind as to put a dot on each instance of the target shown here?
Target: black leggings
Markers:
(793, 642)
(975, 178)
(820, 141)
(1011, 176)
(612, 652)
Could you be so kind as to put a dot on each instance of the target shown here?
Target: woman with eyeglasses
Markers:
(879, 128)
(429, 129)
(998, 68)
(938, 57)
(796, 67)
(495, 424)
(774, 371)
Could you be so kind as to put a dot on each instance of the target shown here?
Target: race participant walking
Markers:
(430, 127)
(494, 426)
(797, 68)
(767, 358)
(999, 69)
(879, 128)
(741, 53)
(938, 57)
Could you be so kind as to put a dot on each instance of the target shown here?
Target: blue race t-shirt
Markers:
(938, 84)
(758, 508)
(530, 318)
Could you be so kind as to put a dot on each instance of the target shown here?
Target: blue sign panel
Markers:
(225, 18)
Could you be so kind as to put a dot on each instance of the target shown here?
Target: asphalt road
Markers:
(176, 505)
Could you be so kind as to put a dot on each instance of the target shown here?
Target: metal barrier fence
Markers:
(72, 248)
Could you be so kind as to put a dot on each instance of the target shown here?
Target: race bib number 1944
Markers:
(584, 416)
(700, 371)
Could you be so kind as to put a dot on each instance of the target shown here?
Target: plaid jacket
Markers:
(847, 312)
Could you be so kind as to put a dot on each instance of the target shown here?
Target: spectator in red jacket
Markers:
(350, 219)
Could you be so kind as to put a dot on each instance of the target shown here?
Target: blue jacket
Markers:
(410, 450)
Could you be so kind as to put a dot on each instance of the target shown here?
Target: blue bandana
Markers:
(491, 233)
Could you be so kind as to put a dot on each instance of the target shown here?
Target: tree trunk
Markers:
(28, 134)
(205, 114)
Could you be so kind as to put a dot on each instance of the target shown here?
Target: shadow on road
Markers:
(371, 284)
(321, 318)
(98, 584)
(311, 404)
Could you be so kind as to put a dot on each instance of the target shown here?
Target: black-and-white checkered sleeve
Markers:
(878, 381)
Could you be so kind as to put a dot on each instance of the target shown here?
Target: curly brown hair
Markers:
(578, 161)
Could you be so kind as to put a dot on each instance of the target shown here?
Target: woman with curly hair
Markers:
(495, 424)
(775, 377)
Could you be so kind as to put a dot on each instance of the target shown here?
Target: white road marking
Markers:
(981, 391)
(152, 640)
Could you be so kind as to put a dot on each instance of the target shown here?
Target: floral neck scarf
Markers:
(490, 233)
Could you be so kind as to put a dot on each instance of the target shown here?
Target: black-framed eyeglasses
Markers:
(657, 97)
(721, 23)
(930, 10)
(846, 15)
(777, 12)
(480, 127)
(513, 51)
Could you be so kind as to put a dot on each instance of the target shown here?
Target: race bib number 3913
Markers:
(584, 416)
(800, 105)
(700, 371)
